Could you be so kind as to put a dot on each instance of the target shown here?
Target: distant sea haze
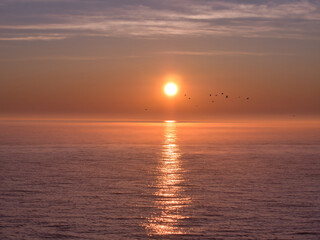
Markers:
(159, 180)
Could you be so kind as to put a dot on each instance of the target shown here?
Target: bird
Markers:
(247, 98)
(189, 98)
(221, 93)
(227, 96)
(210, 95)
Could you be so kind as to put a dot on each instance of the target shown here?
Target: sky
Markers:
(112, 58)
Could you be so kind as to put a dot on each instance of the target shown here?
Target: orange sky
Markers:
(87, 62)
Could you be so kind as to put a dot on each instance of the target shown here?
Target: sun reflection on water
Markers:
(170, 197)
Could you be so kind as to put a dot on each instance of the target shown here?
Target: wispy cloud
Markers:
(32, 37)
(275, 19)
(150, 54)
(222, 53)
(69, 58)
(267, 10)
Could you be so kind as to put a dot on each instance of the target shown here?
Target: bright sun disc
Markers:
(171, 89)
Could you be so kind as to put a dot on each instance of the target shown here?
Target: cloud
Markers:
(222, 53)
(174, 52)
(31, 37)
(69, 58)
(273, 19)
(268, 10)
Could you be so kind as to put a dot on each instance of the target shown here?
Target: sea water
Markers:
(160, 180)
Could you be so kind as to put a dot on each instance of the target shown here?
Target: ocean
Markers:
(159, 180)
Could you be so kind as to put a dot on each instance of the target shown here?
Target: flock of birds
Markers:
(212, 96)
(216, 95)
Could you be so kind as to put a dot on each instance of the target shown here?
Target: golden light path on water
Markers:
(170, 197)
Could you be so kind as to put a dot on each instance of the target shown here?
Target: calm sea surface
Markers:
(95, 180)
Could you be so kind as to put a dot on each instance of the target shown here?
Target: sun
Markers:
(171, 89)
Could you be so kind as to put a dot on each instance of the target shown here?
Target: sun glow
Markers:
(171, 89)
